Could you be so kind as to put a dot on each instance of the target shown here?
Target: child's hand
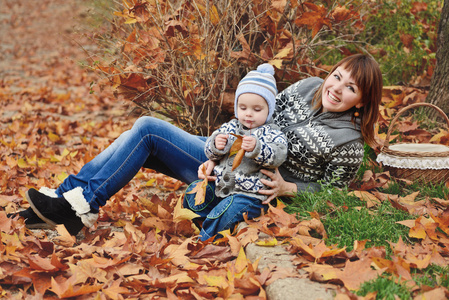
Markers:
(220, 141)
(209, 165)
(248, 143)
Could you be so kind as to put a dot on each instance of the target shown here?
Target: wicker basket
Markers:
(428, 163)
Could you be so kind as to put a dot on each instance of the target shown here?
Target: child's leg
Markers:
(210, 200)
(229, 212)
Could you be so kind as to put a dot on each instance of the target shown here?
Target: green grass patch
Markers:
(346, 218)
(432, 276)
(386, 288)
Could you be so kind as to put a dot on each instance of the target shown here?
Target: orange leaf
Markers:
(41, 264)
(357, 272)
(238, 159)
(114, 290)
(237, 145)
(341, 14)
(237, 148)
(200, 189)
(65, 289)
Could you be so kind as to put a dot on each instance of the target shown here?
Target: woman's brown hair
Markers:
(367, 76)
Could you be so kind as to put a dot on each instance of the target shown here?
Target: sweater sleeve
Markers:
(344, 164)
(271, 148)
(210, 150)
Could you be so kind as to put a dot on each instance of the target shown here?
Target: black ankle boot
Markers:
(54, 211)
(32, 221)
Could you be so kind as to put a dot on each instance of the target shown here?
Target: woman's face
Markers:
(340, 92)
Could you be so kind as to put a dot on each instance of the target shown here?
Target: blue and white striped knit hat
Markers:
(260, 82)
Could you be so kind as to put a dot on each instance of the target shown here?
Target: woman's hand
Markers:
(209, 165)
(278, 186)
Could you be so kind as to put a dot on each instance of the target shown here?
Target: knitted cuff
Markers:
(80, 205)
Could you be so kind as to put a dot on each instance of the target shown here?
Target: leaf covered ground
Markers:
(53, 121)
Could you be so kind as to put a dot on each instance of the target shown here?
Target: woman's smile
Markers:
(332, 97)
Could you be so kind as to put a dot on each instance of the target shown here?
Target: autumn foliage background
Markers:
(180, 61)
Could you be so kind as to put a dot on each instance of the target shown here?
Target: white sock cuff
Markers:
(76, 199)
(89, 219)
(80, 205)
(48, 192)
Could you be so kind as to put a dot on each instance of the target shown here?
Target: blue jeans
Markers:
(221, 213)
(150, 143)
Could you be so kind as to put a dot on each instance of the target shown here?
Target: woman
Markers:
(325, 122)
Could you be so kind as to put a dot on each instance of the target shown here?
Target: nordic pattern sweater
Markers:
(270, 152)
(326, 147)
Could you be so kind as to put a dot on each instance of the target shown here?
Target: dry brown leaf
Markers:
(200, 189)
(180, 213)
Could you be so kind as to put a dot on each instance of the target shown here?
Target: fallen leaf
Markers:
(200, 188)
(64, 238)
(180, 213)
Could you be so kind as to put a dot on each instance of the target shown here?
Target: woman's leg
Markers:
(150, 142)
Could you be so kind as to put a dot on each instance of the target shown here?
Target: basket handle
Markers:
(402, 110)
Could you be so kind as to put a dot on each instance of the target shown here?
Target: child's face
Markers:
(340, 92)
(252, 110)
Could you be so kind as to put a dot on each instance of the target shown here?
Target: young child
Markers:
(235, 192)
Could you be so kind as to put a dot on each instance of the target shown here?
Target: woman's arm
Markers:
(278, 187)
(344, 164)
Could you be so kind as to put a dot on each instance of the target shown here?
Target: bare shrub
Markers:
(183, 59)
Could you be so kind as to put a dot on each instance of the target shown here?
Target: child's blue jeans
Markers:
(222, 213)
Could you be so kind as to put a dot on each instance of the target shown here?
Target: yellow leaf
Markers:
(22, 163)
(417, 232)
(53, 137)
(214, 16)
(218, 281)
(284, 53)
(241, 264)
(61, 177)
(65, 152)
(150, 182)
(180, 213)
(130, 21)
(437, 137)
(268, 243)
(276, 63)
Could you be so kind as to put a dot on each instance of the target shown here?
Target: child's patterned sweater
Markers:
(270, 152)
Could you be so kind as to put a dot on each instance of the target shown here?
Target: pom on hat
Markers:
(260, 82)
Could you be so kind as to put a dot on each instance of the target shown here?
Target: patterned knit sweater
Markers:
(270, 152)
(326, 147)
